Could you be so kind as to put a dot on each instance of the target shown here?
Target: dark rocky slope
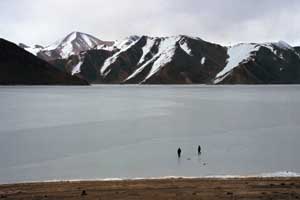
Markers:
(18, 66)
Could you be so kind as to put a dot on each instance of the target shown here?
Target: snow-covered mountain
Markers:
(261, 63)
(149, 60)
(72, 44)
(176, 60)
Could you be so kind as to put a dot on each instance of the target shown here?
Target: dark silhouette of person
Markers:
(199, 149)
(179, 152)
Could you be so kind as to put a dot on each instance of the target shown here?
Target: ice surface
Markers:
(285, 174)
(134, 131)
(280, 174)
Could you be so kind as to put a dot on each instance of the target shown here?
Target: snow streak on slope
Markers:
(164, 55)
(89, 41)
(147, 48)
(237, 54)
(113, 59)
(126, 42)
(186, 48)
(203, 59)
(65, 44)
(76, 69)
(33, 50)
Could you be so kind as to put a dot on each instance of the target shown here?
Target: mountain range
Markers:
(171, 60)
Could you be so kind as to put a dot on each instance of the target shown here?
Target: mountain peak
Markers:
(76, 34)
(284, 45)
(72, 44)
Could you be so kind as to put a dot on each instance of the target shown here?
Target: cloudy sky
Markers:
(221, 21)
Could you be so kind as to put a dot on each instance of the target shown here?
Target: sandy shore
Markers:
(204, 188)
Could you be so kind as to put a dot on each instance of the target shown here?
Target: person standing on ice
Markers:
(199, 149)
(179, 152)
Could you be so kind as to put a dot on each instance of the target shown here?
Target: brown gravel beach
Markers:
(202, 188)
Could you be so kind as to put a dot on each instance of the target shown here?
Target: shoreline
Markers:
(280, 174)
(168, 188)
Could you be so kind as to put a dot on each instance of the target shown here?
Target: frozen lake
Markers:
(55, 133)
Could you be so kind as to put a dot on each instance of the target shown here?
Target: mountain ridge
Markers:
(182, 59)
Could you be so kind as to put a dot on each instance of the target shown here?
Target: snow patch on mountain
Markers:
(72, 44)
(203, 59)
(76, 69)
(166, 51)
(34, 50)
(67, 45)
(126, 42)
(89, 41)
(137, 71)
(113, 59)
(163, 59)
(237, 54)
(184, 46)
(283, 45)
(53, 46)
(279, 45)
(67, 50)
(147, 48)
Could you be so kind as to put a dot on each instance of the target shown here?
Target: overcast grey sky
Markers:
(221, 21)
